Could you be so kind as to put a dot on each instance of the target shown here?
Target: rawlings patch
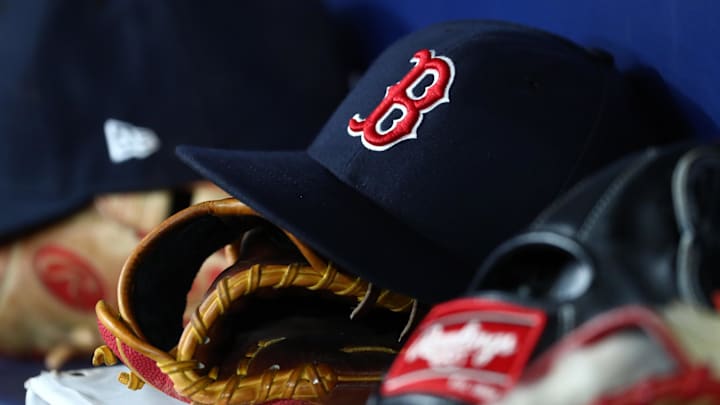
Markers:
(403, 98)
(68, 277)
(470, 349)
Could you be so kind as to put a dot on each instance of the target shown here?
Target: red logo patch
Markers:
(470, 349)
(68, 277)
(401, 97)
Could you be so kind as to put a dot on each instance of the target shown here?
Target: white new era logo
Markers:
(126, 141)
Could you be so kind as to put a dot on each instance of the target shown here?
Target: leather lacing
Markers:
(191, 378)
(305, 382)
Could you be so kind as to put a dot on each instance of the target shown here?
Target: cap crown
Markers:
(464, 131)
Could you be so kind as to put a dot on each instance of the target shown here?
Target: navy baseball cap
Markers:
(454, 139)
(94, 96)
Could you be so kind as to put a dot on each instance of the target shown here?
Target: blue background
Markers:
(672, 43)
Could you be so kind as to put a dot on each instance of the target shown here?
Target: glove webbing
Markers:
(304, 382)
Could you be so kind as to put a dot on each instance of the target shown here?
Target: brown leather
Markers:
(274, 325)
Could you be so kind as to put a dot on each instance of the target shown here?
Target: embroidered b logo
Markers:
(403, 97)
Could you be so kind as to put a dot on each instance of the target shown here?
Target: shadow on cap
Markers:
(96, 95)
(455, 138)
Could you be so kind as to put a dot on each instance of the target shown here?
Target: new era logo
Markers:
(126, 141)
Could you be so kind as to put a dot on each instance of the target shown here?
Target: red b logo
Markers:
(401, 97)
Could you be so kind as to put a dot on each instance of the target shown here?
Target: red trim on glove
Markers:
(604, 325)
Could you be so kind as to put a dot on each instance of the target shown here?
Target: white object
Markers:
(95, 386)
(585, 373)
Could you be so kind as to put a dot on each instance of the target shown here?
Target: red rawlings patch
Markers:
(68, 277)
(470, 349)
(716, 300)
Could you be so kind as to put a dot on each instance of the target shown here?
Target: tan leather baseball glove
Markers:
(51, 278)
(279, 323)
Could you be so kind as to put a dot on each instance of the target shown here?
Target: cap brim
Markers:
(21, 216)
(296, 193)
